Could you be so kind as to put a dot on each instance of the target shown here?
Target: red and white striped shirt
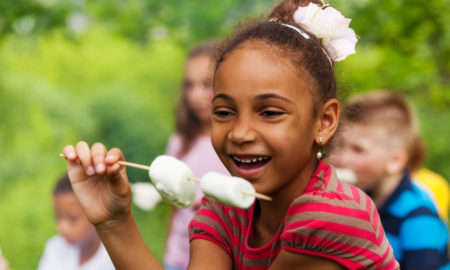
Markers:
(330, 219)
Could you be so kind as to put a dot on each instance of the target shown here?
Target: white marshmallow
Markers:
(346, 175)
(170, 177)
(145, 195)
(227, 189)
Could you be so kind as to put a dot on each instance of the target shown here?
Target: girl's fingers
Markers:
(69, 152)
(84, 155)
(113, 169)
(98, 155)
(113, 155)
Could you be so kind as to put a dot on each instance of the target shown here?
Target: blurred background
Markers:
(110, 71)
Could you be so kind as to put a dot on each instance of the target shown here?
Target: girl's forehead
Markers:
(261, 62)
(252, 62)
(249, 75)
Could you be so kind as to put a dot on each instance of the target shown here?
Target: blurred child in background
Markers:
(379, 140)
(437, 187)
(3, 262)
(77, 246)
(192, 145)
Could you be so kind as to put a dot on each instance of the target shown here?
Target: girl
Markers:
(191, 144)
(273, 108)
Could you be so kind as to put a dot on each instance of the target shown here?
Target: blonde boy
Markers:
(380, 142)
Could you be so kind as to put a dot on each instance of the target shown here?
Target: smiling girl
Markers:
(273, 108)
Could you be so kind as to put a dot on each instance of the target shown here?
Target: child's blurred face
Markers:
(262, 118)
(198, 86)
(363, 149)
(73, 224)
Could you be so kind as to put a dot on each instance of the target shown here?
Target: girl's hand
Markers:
(100, 184)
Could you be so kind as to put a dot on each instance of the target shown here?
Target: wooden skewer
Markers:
(190, 178)
(134, 165)
(257, 195)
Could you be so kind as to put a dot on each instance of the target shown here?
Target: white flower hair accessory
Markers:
(330, 26)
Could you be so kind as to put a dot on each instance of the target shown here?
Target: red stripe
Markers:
(337, 246)
(386, 253)
(259, 253)
(238, 225)
(369, 206)
(332, 195)
(334, 227)
(212, 215)
(381, 235)
(346, 263)
(325, 207)
(340, 189)
(213, 236)
(355, 193)
(267, 255)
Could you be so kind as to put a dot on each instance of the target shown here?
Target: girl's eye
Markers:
(222, 113)
(271, 113)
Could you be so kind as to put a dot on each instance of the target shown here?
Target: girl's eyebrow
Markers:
(223, 96)
(271, 95)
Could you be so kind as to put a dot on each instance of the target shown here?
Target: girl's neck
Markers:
(270, 214)
(88, 249)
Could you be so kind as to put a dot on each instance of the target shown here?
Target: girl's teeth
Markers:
(250, 160)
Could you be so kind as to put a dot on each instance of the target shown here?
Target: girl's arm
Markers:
(126, 247)
(206, 255)
(290, 260)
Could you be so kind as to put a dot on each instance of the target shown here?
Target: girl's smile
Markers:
(249, 166)
(263, 127)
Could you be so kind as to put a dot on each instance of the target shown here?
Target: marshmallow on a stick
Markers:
(170, 177)
(346, 175)
(228, 190)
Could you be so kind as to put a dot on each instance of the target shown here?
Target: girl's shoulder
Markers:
(220, 224)
(326, 190)
(336, 220)
(333, 210)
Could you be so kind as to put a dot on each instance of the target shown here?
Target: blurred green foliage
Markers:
(110, 71)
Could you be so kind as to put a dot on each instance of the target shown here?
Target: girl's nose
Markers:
(242, 132)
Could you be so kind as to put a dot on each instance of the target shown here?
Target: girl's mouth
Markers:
(250, 162)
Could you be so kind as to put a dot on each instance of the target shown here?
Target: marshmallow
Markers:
(170, 177)
(227, 189)
(145, 195)
(346, 175)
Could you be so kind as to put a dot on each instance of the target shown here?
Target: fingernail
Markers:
(109, 158)
(90, 170)
(71, 155)
(115, 167)
(100, 167)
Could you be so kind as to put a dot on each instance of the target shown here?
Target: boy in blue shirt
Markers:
(379, 141)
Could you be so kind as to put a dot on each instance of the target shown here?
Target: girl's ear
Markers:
(397, 162)
(327, 121)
